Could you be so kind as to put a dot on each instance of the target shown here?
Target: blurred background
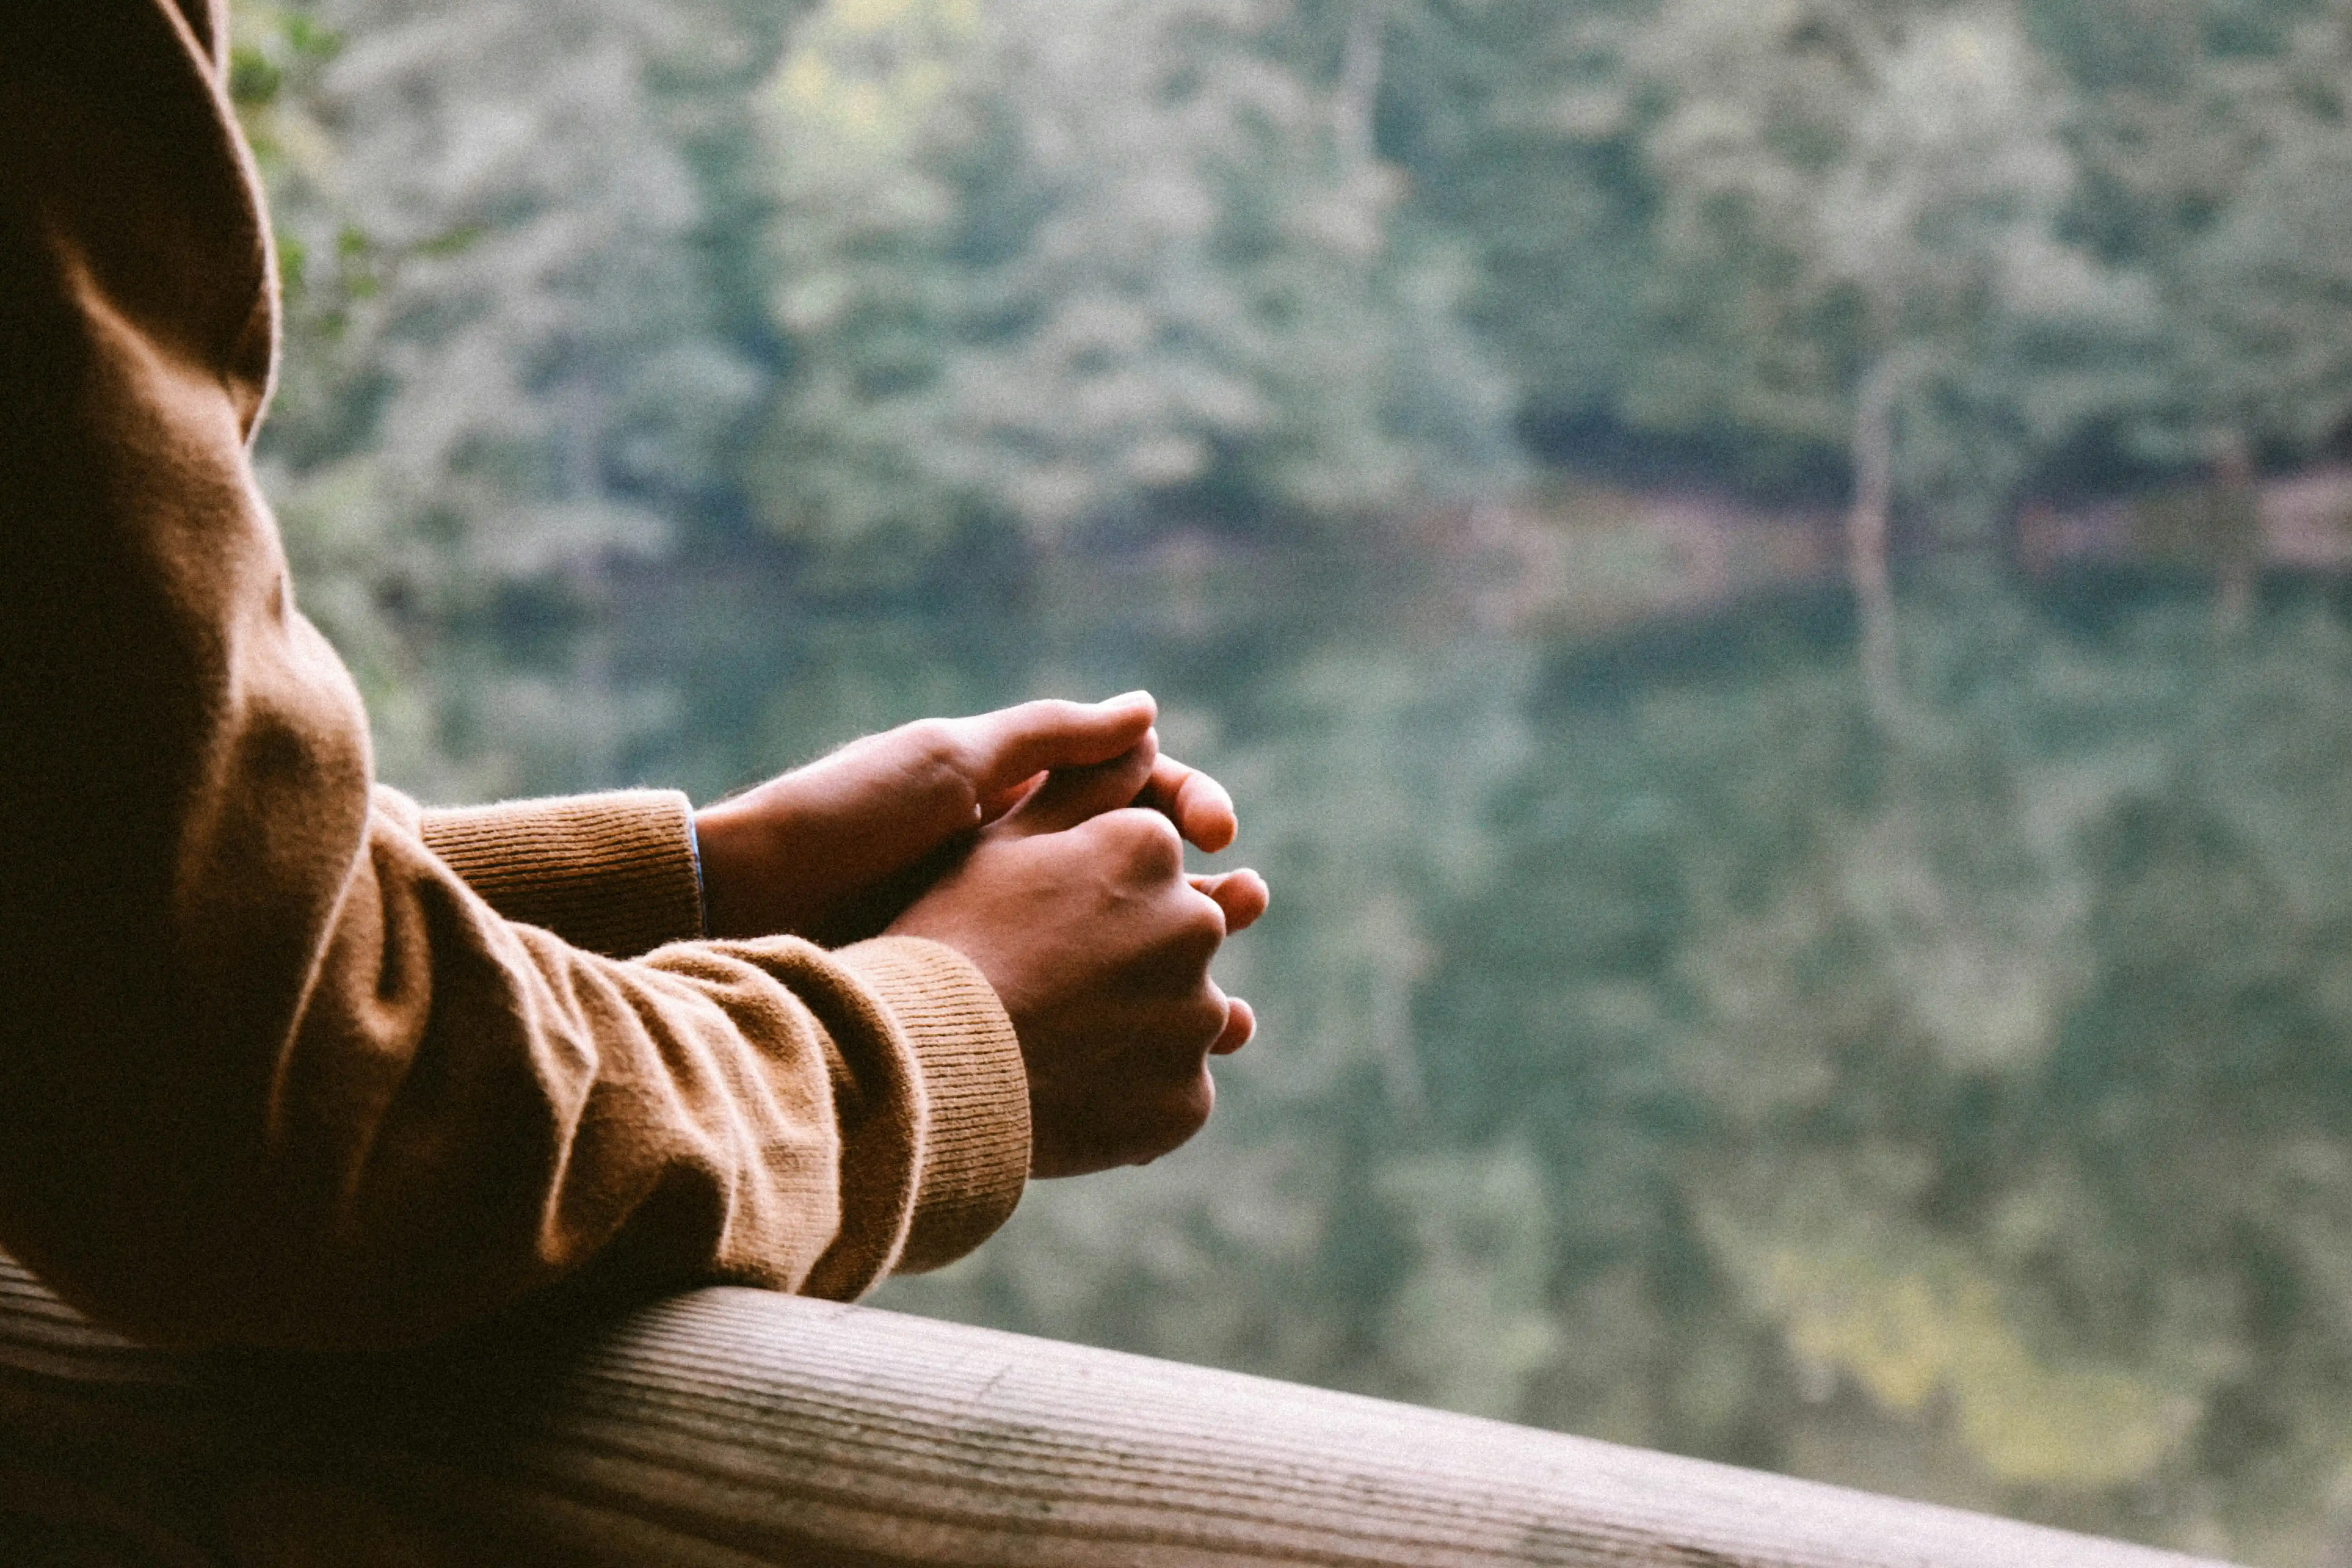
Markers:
(1773, 579)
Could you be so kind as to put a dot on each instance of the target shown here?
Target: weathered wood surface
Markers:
(733, 1427)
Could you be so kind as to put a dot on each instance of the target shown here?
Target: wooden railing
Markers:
(733, 1427)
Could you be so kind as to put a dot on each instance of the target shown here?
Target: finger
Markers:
(995, 806)
(1241, 1027)
(1178, 1116)
(1072, 795)
(1014, 744)
(1242, 895)
(1197, 804)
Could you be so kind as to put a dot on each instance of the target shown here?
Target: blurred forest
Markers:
(1888, 1018)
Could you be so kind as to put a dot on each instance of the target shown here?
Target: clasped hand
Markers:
(1046, 843)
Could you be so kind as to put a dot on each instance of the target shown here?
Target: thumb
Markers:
(1014, 745)
(1072, 795)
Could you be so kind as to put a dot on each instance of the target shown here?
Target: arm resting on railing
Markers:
(737, 1426)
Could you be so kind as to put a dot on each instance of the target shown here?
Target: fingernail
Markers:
(1124, 699)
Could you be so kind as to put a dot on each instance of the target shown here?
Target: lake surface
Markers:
(1653, 1047)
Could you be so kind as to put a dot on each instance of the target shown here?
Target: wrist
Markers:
(730, 845)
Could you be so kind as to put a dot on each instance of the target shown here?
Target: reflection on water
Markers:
(1653, 1049)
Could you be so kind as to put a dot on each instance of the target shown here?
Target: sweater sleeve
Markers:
(271, 1071)
(612, 873)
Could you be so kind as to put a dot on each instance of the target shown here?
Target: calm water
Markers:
(1651, 1049)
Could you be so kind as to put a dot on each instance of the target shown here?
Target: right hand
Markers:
(836, 850)
(1077, 908)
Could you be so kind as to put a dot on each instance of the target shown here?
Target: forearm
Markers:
(614, 873)
(470, 1110)
(271, 1071)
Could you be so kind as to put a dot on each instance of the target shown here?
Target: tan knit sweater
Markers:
(283, 1060)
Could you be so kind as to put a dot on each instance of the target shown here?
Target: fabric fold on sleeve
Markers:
(976, 1148)
(284, 1064)
(614, 873)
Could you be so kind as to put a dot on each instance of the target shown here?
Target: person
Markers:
(288, 1061)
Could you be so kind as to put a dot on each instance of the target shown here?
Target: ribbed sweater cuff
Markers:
(976, 1139)
(612, 873)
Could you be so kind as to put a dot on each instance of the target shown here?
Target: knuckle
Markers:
(1150, 840)
(939, 752)
(1189, 1109)
(1188, 1028)
(1174, 1118)
(1191, 947)
(1204, 923)
(940, 739)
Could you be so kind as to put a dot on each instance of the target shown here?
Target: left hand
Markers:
(836, 850)
(1078, 908)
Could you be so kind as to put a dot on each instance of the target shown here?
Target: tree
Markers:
(503, 367)
(1519, 121)
(1046, 266)
(1860, 237)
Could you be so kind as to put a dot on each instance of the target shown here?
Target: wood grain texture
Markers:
(732, 1427)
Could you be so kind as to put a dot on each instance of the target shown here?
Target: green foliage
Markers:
(1651, 1049)
(2208, 140)
(880, 273)
(1049, 264)
(1518, 120)
(1842, 188)
(503, 370)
